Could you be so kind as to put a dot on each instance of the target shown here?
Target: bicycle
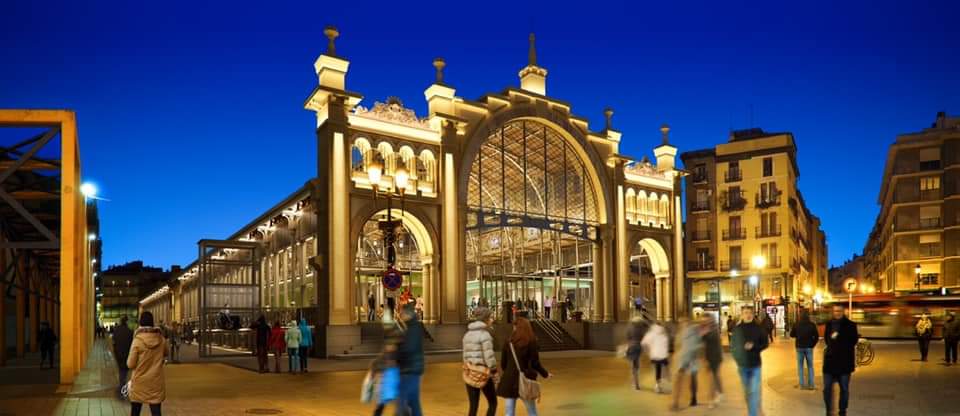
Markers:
(865, 354)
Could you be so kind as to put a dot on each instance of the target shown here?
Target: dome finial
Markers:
(608, 113)
(665, 130)
(332, 33)
(532, 54)
(439, 64)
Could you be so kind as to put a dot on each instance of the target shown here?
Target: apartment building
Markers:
(915, 242)
(750, 238)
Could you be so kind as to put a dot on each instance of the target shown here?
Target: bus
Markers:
(893, 316)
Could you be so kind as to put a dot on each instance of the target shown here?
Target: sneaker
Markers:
(657, 389)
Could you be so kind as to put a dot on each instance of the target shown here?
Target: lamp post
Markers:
(397, 190)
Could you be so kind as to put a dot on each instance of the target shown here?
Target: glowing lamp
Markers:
(758, 262)
(374, 173)
(401, 179)
(88, 190)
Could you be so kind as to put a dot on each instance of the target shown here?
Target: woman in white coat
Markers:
(657, 344)
(478, 352)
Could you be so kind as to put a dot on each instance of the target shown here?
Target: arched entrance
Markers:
(649, 272)
(531, 223)
(414, 259)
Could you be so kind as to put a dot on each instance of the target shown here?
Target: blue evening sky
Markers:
(191, 117)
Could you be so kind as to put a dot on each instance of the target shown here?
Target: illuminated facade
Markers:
(510, 196)
(750, 237)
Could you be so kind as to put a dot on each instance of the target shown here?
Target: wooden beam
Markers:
(30, 165)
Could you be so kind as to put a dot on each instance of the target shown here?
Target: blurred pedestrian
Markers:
(766, 321)
(951, 336)
(635, 332)
(262, 334)
(710, 332)
(122, 339)
(749, 339)
(806, 335)
(520, 358)
(306, 342)
(480, 362)
(688, 361)
(173, 338)
(47, 340)
(277, 344)
(371, 307)
(292, 337)
(657, 344)
(730, 325)
(924, 330)
(410, 362)
(548, 305)
(147, 353)
(839, 357)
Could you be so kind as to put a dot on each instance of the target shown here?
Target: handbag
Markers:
(528, 389)
(389, 385)
(475, 375)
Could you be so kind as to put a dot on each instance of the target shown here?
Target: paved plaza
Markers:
(585, 383)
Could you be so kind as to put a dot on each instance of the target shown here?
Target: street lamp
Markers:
(88, 190)
(401, 180)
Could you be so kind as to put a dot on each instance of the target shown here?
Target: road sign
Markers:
(850, 285)
(392, 279)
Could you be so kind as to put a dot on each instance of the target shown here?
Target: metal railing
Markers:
(701, 265)
(735, 234)
(726, 266)
(733, 175)
(770, 231)
(771, 199)
(700, 235)
(696, 206)
(733, 202)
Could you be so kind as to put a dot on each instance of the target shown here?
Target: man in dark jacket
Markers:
(805, 332)
(122, 339)
(951, 336)
(47, 340)
(749, 339)
(839, 357)
(410, 361)
(263, 343)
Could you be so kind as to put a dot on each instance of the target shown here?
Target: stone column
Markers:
(608, 274)
(622, 259)
(453, 285)
(597, 289)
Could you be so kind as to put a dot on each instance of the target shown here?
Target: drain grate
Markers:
(263, 411)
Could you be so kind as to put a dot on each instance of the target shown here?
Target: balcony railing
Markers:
(699, 206)
(700, 235)
(771, 231)
(929, 250)
(735, 234)
(733, 175)
(726, 266)
(733, 201)
(701, 265)
(926, 223)
(771, 199)
(930, 194)
(699, 177)
(773, 262)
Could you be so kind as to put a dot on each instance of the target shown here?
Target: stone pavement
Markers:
(585, 383)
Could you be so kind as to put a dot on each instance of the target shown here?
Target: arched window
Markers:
(631, 205)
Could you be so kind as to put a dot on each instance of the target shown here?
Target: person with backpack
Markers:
(520, 362)
(480, 362)
(147, 353)
(657, 344)
(805, 332)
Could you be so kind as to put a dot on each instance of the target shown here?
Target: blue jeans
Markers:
(805, 354)
(844, 381)
(750, 379)
(293, 359)
(409, 395)
(511, 405)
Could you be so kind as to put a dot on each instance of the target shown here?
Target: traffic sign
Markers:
(850, 285)
(392, 279)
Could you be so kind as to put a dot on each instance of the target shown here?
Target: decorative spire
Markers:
(532, 54)
(439, 64)
(608, 113)
(665, 130)
(332, 33)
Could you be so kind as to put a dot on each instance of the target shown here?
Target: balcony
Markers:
(733, 175)
(929, 250)
(771, 199)
(773, 262)
(733, 201)
(700, 235)
(734, 234)
(930, 194)
(928, 223)
(699, 178)
(701, 265)
(700, 206)
(772, 231)
(726, 266)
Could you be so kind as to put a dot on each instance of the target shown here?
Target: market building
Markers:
(510, 197)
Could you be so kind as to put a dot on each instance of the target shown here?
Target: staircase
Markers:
(552, 337)
(371, 342)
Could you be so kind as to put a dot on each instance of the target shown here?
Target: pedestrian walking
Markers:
(292, 338)
(806, 335)
(480, 362)
(277, 344)
(657, 344)
(768, 326)
(840, 337)
(47, 340)
(713, 352)
(147, 353)
(122, 339)
(924, 330)
(520, 357)
(731, 324)
(306, 342)
(262, 334)
(951, 336)
(749, 339)
(548, 305)
(410, 362)
(688, 361)
(635, 332)
(173, 338)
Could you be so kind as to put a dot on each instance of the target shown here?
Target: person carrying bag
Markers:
(480, 362)
(520, 369)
